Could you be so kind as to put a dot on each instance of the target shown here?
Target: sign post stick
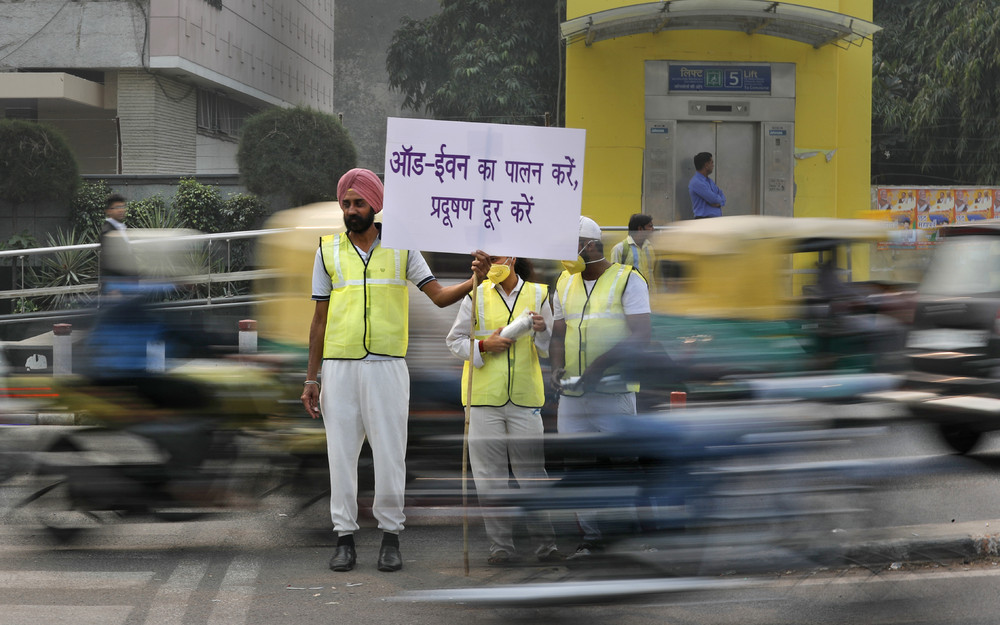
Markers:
(465, 437)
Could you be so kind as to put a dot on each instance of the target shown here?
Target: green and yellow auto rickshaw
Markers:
(768, 299)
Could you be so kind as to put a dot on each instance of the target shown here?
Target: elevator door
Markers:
(735, 147)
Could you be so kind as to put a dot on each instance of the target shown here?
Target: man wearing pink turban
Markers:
(356, 371)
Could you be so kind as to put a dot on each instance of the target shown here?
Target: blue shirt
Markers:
(704, 193)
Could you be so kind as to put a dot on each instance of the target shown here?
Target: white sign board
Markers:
(460, 186)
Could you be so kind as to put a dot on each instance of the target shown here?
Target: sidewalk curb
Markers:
(927, 543)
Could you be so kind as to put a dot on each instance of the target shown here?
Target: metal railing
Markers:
(218, 247)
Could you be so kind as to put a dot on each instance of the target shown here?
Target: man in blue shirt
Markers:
(707, 199)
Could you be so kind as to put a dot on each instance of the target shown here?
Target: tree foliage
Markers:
(936, 92)
(299, 152)
(35, 163)
(481, 60)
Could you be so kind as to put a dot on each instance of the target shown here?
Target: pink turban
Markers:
(365, 183)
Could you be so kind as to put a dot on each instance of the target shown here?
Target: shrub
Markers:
(35, 163)
(299, 152)
(86, 210)
(199, 206)
(244, 211)
(65, 268)
(152, 212)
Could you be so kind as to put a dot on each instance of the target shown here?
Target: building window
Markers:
(220, 115)
(215, 4)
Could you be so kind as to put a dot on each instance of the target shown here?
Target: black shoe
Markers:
(389, 558)
(585, 550)
(343, 559)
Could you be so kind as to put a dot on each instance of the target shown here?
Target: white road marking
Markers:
(64, 614)
(173, 597)
(73, 580)
(232, 604)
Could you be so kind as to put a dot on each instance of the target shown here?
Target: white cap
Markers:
(589, 228)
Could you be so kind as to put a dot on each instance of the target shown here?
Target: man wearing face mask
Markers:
(513, 326)
(600, 321)
(359, 335)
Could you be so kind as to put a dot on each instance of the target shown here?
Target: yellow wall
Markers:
(605, 95)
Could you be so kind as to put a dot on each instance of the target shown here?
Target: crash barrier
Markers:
(62, 347)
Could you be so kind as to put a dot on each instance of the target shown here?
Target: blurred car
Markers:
(954, 346)
(756, 296)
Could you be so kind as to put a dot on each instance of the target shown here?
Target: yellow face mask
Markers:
(498, 273)
(574, 266)
(578, 265)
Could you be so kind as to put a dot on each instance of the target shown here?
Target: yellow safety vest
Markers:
(514, 376)
(369, 302)
(594, 323)
(641, 257)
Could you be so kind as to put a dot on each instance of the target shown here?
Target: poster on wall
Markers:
(940, 210)
(918, 213)
(902, 203)
(894, 205)
(973, 204)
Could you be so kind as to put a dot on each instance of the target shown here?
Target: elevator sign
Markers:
(725, 79)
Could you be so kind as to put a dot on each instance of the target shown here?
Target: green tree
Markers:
(936, 89)
(35, 163)
(481, 60)
(299, 152)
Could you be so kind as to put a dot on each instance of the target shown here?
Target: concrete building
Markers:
(161, 87)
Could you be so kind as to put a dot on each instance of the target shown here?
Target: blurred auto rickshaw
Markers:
(749, 297)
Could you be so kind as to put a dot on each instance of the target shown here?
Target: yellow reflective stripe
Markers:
(606, 315)
(481, 307)
(386, 281)
(340, 283)
(614, 285)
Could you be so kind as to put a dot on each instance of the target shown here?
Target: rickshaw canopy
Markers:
(740, 267)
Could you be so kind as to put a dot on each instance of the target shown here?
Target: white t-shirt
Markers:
(635, 298)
